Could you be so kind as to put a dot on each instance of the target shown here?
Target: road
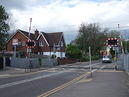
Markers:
(38, 83)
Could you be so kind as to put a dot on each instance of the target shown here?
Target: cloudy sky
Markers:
(66, 15)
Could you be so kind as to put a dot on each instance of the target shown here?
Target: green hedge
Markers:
(86, 58)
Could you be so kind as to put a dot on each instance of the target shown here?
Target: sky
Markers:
(66, 15)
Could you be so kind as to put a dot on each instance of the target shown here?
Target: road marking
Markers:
(48, 70)
(74, 66)
(30, 73)
(3, 75)
(62, 86)
(46, 94)
(85, 80)
(109, 71)
(28, 80)
(24, 74)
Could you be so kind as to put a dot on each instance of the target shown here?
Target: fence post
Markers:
(4, 62)
(39, 62)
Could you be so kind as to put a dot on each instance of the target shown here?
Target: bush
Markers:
(73, 51)
(86, 58)
(95, 57)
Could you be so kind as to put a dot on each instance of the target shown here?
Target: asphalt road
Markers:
(35, 84)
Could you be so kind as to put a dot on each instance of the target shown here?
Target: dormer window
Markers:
(41, 43)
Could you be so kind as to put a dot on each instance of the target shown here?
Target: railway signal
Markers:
(112, 42)
(30, 44)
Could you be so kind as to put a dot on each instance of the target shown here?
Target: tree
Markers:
(90, 35)
(113, 34)
(4, 27)
(72, 51)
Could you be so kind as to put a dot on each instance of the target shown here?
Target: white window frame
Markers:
(41, 43)
(61, 44)
(23, 43)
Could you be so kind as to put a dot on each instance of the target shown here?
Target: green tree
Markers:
(90, 35)
(4, 27)
(72, 51)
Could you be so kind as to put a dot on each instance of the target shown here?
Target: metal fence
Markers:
(123, 62)
(33, 62)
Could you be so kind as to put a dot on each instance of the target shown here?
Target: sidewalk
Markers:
(104, 83)
(10, 71)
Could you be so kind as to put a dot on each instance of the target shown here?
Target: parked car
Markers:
(107, 59)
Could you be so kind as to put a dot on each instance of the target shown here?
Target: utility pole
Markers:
(90, 60)
(29, 49)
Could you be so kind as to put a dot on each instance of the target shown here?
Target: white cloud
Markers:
(61, 15)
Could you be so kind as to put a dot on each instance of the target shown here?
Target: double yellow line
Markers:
(63, 86)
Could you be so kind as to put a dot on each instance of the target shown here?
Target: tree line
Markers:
(90, 35)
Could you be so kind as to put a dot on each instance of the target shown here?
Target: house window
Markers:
(41, 53)
(23, 43)
(58, 48)
(41, 43)
(19, 43)
(61, 43)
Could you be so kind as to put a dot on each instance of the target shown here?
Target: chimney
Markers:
(36, 33)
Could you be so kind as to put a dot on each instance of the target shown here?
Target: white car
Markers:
(107, 59)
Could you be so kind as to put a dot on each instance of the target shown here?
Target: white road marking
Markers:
(40, 77)
(28, 80)
(4, 75)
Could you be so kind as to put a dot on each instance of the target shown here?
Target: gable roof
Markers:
(32, 36)
(53, 38)
(50, 38)
(26, 34)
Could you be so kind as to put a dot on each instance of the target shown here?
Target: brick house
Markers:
(45, 43)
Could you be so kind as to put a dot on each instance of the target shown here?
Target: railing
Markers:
(123, 62)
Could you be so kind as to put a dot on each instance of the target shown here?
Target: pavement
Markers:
(103, 83)
(12, 71)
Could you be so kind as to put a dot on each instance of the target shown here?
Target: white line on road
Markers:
(92, 64)
(40, 77)
(28, 80)
(97, 69)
